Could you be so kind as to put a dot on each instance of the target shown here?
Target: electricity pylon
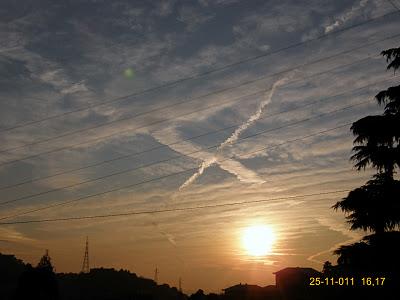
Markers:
(85, 265)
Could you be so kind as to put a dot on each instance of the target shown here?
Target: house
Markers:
(294, 283)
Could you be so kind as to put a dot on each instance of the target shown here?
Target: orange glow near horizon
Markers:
(258, 240)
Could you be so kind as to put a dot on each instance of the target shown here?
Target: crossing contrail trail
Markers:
(203, 166)
(235, 135)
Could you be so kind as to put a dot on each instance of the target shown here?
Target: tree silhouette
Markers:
(45, 262)
(199, 295)
(38, 283)
(375, 206)
(327, 268)
(377, 252)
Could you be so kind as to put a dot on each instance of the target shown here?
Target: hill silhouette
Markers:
(22, 281)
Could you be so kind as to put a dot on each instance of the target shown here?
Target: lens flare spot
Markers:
(129, 73)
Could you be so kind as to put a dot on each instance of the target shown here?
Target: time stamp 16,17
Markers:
(347, 281)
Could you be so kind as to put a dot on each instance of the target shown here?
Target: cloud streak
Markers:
(345, 17)
(217, 158)
(338, 227)
(170, 238)
(11, 235)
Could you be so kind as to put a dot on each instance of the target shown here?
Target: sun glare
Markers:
(258, 240)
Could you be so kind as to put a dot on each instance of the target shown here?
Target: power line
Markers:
(196, 76)
(183, 140)
(241, 139)
(185, 101)
(179, 156)
(394, 5)
(121, 132)
(167, 145)
(132, 213)
(164, 176)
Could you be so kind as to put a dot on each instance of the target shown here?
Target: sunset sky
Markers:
(222, 101)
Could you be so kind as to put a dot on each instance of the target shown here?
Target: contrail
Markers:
(171, 240)
(267, 100)
(235, 135)
(213, 159)
(168, 236)
(338, 227)
(203, 166)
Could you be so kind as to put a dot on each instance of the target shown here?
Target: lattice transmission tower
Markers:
(85, 265)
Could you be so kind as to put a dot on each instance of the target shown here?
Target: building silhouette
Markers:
(294, 283)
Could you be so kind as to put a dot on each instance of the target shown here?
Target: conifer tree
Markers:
(375, 206)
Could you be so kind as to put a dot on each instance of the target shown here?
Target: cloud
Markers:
(258, 29)
(169, 135)
(343, 18)
(170, 238)
(203, 166)
(235, 167)
(60, 81)
(11, 235)
(242, 173)
(338, 226)
(75, 88)
(253, 118)
(128, 35)
(164, 8)
(192, 17)
(217, 2)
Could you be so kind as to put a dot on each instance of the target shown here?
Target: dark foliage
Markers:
(199, 295)
(11, 269)
(393, 57)
(391, 99)
(375, 252)
(45, 263)
(110, 284)
(107, 284)
(327, 268)
(37, 283)
(377, 139)
(374, 206)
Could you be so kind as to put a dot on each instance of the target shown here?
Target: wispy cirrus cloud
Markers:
(343, 18)
(337, 226)
(75, 54)
(217, 158)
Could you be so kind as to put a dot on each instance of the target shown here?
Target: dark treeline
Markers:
(22, 281)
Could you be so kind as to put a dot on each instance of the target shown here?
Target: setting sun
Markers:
(258, 240)
(199, 150)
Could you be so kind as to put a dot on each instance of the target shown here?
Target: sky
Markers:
(128, 106)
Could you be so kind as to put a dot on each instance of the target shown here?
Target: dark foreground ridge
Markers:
(22, 281)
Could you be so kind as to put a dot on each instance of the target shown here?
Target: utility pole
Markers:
(85, 265)
(156, 275)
